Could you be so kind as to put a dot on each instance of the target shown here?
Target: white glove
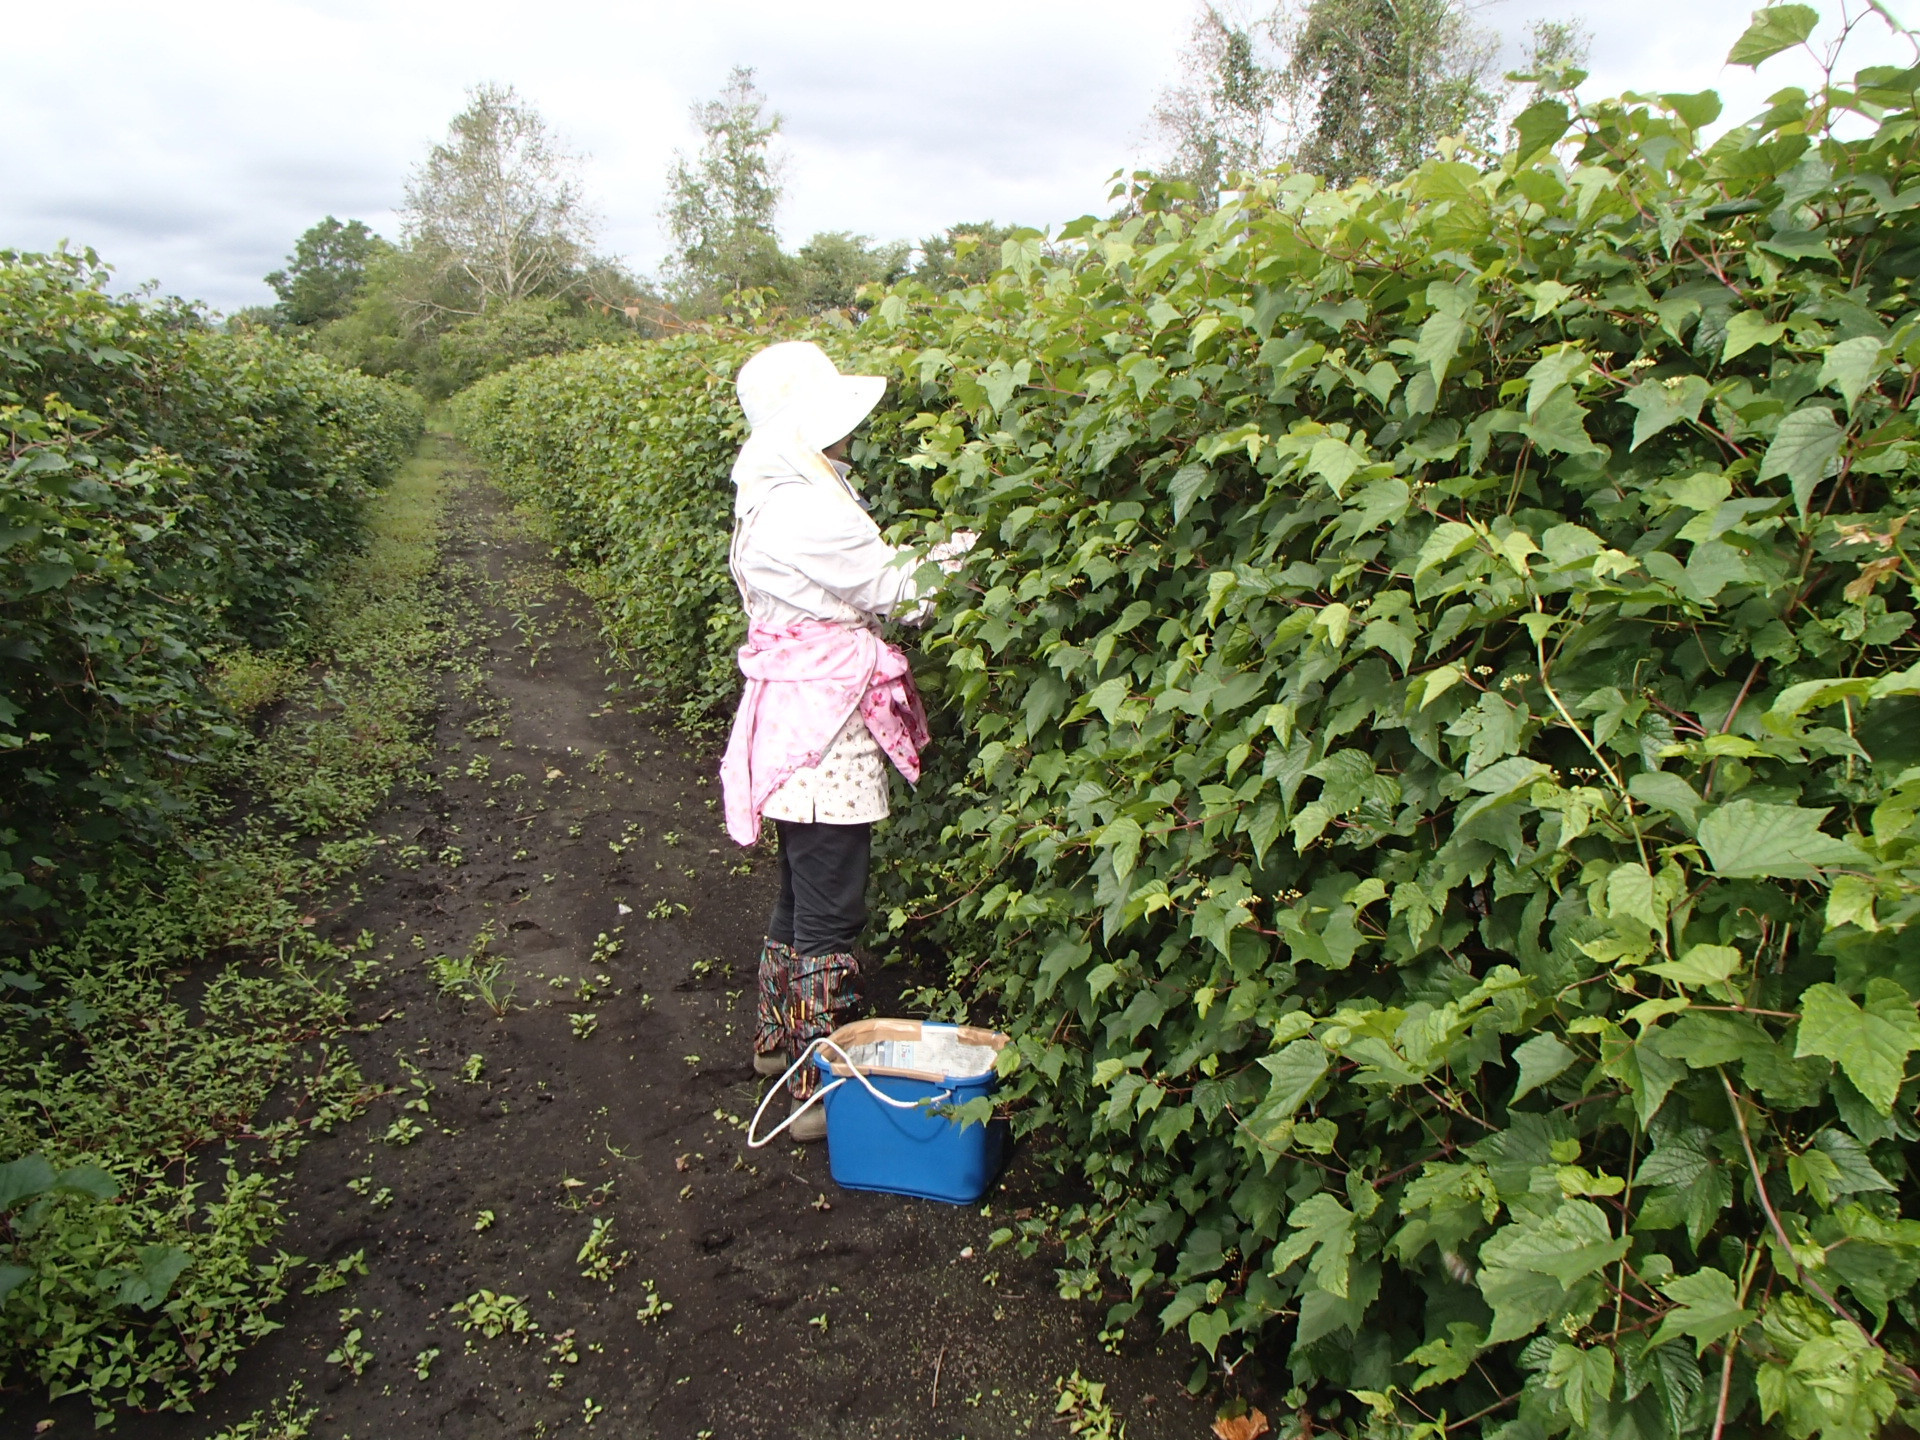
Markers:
(948, 552)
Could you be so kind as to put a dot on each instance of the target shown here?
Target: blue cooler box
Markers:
(909, 1148)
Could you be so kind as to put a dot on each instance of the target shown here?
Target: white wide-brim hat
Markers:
(794, 384)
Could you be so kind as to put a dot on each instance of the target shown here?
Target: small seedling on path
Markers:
(350, 1353)
(402, 1132)
(493, 1315)
(653, 1308)
(561, 1352)
(1083, 1409)
(597, 1259)
(334, 1276)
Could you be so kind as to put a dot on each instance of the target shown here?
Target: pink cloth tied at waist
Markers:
(804, 681)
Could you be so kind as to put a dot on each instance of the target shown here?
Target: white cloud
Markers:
(192, 142)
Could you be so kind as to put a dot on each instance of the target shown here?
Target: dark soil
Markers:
(798, 1309)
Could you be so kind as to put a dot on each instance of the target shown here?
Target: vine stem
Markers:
(1566, 716)
(1626, 1218)
(1748, 1271)
(1499, 1404)
(1726, 1386)
(1540, 652)
(1806, 1281)
(1740, 699)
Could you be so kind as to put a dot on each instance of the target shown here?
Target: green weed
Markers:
(597, 1258)
(475, 974)
(1083, 1409)
(147, 1298)
(350, 1354)
(285, 1421)
(494, 1315)
(652, 1308)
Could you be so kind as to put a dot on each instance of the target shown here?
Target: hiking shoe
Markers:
(809, 1127)
(770, 1065)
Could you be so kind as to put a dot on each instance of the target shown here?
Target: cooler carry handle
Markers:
(825, 1043)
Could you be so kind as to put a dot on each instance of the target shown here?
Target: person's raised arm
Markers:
(839, 548)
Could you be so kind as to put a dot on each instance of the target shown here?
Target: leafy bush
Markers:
(168, 491)
(151, 1093)
(1440, 761)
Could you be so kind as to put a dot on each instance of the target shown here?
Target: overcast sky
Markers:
(191, 142)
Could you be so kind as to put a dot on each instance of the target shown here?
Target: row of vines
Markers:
(171, 493)
(193, 526)
(1430, 755)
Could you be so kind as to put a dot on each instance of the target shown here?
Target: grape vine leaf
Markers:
(1334, 461)
(1449, 1358)
(1804, 445)
(1440, 338)
(22, 1179)
(1189, 483)
(1323, 1227)
(1572, 1242)
(1122, 838)
(1661, 403)
(1530, 1266)
(1208, 1328)
(1296, 1069)
(1775, 28)
(1583, 1377)
(1540, 1059)
(1871, 1045)
(1747, 329)
(160, 1266)
(1749, 839)
(1853, 365)
(1537, 127)
(1560, 425)
(1701, 965)
(1708, 1307)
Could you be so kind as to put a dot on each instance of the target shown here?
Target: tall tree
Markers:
(1343, 88)
(1386, 80)
(721, 202)
(498, 205)
(964, 254)
(830, 269)
(325, 272)
(1227, 114)
(1554, 55)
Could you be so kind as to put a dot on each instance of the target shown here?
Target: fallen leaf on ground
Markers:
(1250, 1426)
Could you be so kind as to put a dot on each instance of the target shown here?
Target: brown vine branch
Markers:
(1806, 1281)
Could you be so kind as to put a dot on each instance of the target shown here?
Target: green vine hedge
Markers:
(169, 492)
(1434, 756)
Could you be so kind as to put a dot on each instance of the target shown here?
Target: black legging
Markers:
(822, 907)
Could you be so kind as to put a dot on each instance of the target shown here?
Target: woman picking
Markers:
(827, 702)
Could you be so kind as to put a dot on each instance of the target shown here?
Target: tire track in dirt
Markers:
(797, 1309)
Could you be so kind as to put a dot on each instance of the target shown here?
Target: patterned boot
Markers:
(826, 993)
(772, 1038)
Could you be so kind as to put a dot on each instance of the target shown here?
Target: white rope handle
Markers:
(824, 1044)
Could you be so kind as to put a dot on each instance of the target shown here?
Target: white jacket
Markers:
(805, 548)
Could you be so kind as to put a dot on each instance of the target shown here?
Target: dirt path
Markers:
(797, 1309)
